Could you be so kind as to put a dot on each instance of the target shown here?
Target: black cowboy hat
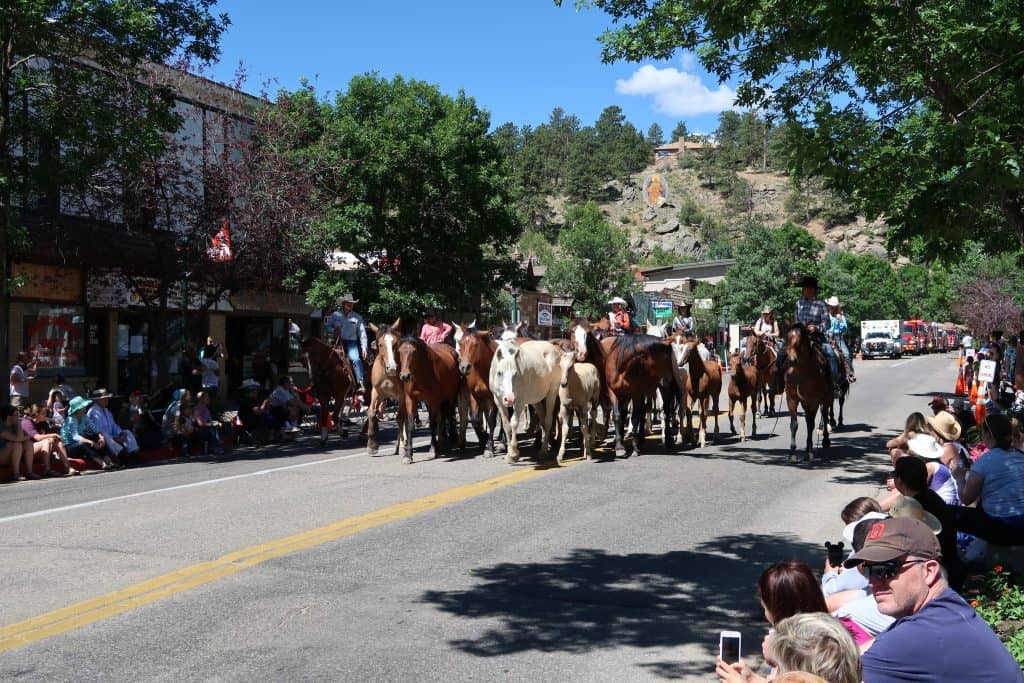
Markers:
(808, 281)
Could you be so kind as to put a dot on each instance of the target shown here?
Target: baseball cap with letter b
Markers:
(896, 537)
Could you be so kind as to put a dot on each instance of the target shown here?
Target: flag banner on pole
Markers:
(220, 245)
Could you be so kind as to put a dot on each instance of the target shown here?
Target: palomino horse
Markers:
(385, 385)
(579, 393)
(332, 377)
(808, 384)
(703, 383)
(430, 373)
(523, 375)
(476, 352)
(761, 352)
(742, 387)
(635, 365)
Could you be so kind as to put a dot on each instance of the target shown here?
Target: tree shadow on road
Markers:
(593, 600)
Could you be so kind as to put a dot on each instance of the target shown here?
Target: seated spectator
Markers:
(936, 636)
(81, 438)
(785, 589)
(996, 484)
(44, 443)
(947, 431)
(207, 429)
(183, 429)
(172, 412)
(56, 409)
(898, 445)
(940, 478)
(857, 508)
(815, 643)
(136, 417)
(911, 477)
(284, 406)
(121, 443)
(250, 408)
(17, 445)
(847, 593)
(63, 387)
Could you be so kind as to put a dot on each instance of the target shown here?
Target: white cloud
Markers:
(675, 92)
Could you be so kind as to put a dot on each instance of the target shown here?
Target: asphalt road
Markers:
(304, 564)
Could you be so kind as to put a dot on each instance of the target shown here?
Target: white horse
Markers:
(579, 393)
(524, 375)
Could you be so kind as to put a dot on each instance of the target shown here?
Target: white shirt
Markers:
(210, 377)
(968, 341)
(18, 382)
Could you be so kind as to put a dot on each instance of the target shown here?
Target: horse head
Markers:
(461, 330)
(387, 340)
(411, 352)
(566, 360)
(735, 362)
(471, 349)
(504, 367)
(797, 339)
(578, 333)
(659, 330)
(680, 349)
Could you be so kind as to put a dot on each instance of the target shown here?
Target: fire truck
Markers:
(912, 333)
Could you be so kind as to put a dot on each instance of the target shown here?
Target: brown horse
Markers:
(703, 383)
(635, 365)
(430, 373)
(762, 353)
(743, 386)
(808, 384)
(332, 377)
(385, 385)
(844, 390)
(476, 351)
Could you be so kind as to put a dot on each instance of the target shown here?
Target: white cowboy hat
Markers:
(618, 300)
(767, 309)
(832, 301)
(347, 297)
(926, 446)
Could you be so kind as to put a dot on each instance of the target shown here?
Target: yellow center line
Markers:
(93, 610)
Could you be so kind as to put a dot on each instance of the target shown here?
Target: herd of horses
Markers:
(593, 378)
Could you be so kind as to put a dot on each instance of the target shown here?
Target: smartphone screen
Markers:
(730, 646)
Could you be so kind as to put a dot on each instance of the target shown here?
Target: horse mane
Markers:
(415, 341)
(636, 343)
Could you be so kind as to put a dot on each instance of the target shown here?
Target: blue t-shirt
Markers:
(944, 642)
(1002, 492)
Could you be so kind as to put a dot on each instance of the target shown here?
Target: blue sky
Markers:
(519, 59)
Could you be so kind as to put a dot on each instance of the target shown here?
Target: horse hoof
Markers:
(810, 456)
(792, 457)
(407, 459)
(488, 454)
(511, 459)
(343, 433)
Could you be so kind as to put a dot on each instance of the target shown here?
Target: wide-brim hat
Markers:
(618, 300)
(832, 301)
(896, 537)
(77, 403)
(347, 297)
(852, 526)
(944, 424)
(926, 446)
(808, 281)
(97, 394)
(249, 384)
(905, 506)
(767, 309)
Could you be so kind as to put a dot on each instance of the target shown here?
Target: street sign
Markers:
(987, 371)
(544, 317)
(704, 304)
(662, 309)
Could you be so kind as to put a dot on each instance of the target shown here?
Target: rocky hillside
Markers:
(696, 214)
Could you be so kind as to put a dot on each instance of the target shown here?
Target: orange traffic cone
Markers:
(961, 386)
(973, 397)
(960, 359)
(979, 412)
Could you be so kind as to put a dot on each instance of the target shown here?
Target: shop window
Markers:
(55, 338)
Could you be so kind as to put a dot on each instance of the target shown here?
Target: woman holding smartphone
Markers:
(784, 589)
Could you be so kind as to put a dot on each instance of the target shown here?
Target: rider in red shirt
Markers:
(619, 317)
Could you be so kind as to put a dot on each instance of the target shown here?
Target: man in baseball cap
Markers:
(937, 636)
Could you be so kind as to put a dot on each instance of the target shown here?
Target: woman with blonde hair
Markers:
(815, 643)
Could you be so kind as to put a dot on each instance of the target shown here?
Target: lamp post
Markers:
(515, 305)
(181, 247)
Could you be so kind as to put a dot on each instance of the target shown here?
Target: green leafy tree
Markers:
(76, 101)
(867, 286)
(418, 193)
(533, 244)
(680, 132)
(767, 263)
(592, 263)
(622, 149)
(655, 135)
(916, 109)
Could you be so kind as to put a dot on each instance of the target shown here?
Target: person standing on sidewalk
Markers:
(21, 376)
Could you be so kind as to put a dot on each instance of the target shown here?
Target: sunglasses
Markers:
(884, 571)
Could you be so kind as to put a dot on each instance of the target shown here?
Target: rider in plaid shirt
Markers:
(812, 312)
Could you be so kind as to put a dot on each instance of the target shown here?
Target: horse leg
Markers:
(809, 415)
(547, 423)
(668, 433)
(791, 404)
(714, 408)
(410, 411)
(825, 442)
(563, 415)
(639, 417)
(702, 418)
(842, 402)
(435, 417)
(488, 417)
(617, 419)
(372, 424)
(511, 425)
(753, 415)
(732, 409)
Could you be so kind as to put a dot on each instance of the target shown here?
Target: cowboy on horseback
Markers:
(837, 332)
(766, 328)
(684, 322)
(619, 317)
(813, 314)
(346, 329)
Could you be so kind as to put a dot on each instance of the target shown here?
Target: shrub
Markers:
(1001, 603)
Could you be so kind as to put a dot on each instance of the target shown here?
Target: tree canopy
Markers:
(916, 110)
(416, 191)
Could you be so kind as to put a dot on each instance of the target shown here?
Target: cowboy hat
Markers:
(685, 305)
(945, 425)
(808, 281)
(78, 403)
(906, 506)
(925, 445)
(618, 300)
(347, 297)
(767, 309)
(832, 301)
(97, 394)
(249, 384)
